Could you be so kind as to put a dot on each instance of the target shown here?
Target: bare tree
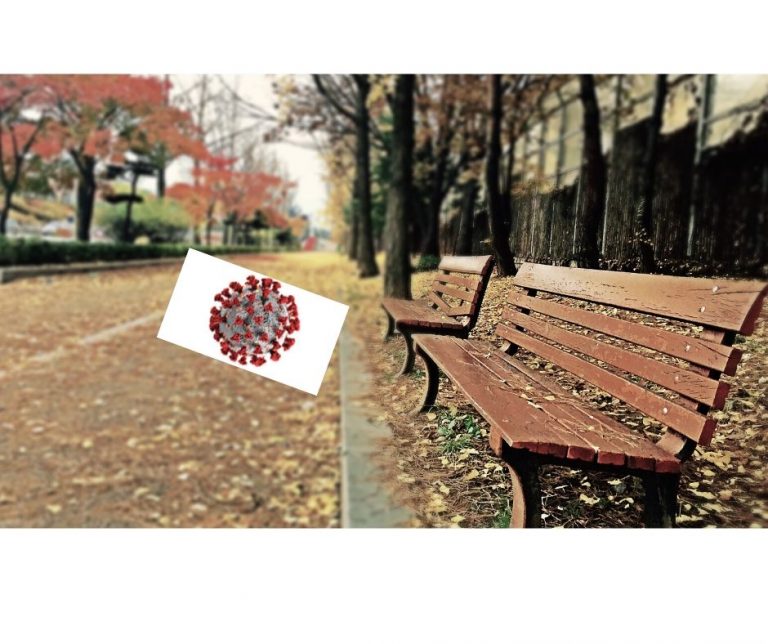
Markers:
(397, 276)
(499, 225)
(340, 93)
(593, 179)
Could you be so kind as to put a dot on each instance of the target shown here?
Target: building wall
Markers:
(710, 206)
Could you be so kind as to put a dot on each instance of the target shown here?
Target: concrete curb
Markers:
(365, 502)
(11, 273)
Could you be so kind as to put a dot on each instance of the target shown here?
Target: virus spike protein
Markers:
(252, 319)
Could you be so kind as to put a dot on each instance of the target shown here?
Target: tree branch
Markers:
(327, 94)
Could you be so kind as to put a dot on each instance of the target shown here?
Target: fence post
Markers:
(705, 111)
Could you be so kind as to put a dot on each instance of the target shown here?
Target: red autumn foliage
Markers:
(93, 110)
(241, 194)
(24, 109)
(168, 132)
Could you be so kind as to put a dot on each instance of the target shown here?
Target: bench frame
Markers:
(450, 265)
(660, 487)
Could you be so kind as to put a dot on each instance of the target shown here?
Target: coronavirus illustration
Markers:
(253, 322)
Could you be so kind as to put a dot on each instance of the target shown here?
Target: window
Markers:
(735, 101)
(680, 107)
(636, 98)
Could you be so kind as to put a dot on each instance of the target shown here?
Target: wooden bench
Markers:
(450, 308)
(669, 372)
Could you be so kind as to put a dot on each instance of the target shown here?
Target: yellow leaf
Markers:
(431, 416)
(457, 519)
(54, 508)
(473, 474)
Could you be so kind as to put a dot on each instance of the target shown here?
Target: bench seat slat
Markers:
(688, 383)
(696, 350)
(693, 425)
(418, 313)
(534, 414)
(604, 440)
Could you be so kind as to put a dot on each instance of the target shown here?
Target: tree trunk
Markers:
(366, 258)
(507, 204)
(499, 226)
(161, 181)
(466, 218)
(208, 225)
(86, 196)
(593, 179)
(648, 178)
(127, 236)
(6, 210)
(352, 249)
(431, 241)
(397, 276)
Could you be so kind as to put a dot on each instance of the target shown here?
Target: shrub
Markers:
(160, 220)
(18, 252)
(427, 263)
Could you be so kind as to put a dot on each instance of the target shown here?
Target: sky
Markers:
(303, 164)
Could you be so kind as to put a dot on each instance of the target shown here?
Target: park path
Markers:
(101, 424)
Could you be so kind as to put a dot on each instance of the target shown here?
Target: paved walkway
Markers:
(365, 502)
(102, 424)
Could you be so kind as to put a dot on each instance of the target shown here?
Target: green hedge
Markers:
(163, 222)
(19, 252)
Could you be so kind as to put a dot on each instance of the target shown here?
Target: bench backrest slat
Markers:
(463, 281)
(696, 350)
(459, 293)
(475, 264)
(733, 305)
(671, 374)
(688, 383)
(449, 309)
(471, 282)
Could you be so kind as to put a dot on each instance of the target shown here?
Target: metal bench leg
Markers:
(660, 499)
(430, 386)
(409, 354)
(526, 492)
(390, 330)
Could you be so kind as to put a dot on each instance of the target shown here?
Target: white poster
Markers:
(253, 321)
